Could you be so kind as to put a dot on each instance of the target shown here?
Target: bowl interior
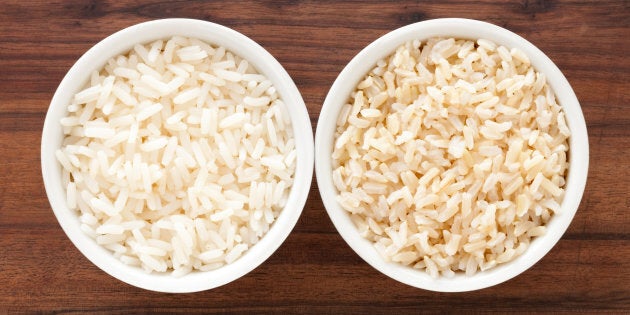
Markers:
(123, 41)
(362, 63)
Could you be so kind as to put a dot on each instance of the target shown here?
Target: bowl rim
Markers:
(364, 61)
(123, 41)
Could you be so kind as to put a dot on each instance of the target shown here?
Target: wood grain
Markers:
(314, 271)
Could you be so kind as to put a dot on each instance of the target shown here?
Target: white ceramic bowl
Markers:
(360, 65)
(123, 41)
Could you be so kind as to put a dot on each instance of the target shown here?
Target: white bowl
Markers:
(362, 63)
(123, 41)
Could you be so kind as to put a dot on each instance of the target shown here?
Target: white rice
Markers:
(176, 156)
(451, 155)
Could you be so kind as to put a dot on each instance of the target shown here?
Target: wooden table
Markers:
(314, 271)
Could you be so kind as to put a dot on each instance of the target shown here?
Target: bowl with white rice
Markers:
(177, 155)
(451, 154)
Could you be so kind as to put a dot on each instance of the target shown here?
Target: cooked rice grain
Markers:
(172, 158)
(451, 155)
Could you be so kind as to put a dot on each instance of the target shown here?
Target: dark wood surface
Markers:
(314, 271)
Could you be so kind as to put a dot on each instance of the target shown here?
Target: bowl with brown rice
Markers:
(177, 155)
(451, 154)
